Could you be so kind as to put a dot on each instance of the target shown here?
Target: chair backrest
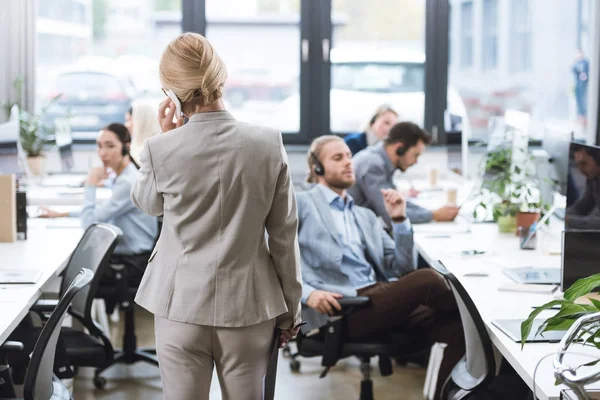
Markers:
(478, 363)
(92, 252)
(39, 378)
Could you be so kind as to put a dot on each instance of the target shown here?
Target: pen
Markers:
(438, 236)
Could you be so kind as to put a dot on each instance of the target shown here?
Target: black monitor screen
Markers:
(454, 149)
(9, 158)
(583, 187)
(580, 256)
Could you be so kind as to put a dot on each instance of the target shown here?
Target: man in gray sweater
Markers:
(375, 167)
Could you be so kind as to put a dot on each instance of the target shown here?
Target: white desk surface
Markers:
(45, 248)
(64, 196)
(501, 250)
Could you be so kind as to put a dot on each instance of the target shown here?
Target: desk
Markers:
(501, 250)
(63, 196)
(45, 248)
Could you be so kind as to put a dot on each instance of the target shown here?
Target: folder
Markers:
(270, 377)
(8, 208)
(433, 369)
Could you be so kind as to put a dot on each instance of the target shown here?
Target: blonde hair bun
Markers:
(192, 69)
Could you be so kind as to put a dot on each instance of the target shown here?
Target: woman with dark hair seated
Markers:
(139, 229)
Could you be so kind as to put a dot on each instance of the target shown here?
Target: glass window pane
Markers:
(259, 42)
(527, 63)
(490, 34)
(377, 57)
(101, 55)
(466, 14)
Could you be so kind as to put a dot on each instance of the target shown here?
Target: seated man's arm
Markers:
(399, 254)
(321, 301)
(418, 214)
(371, 183)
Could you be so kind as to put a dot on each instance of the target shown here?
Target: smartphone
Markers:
(300, 324)
(175, 100)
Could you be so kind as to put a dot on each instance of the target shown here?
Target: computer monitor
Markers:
(9, 142)
(64, 142)
(580, 256)
(584, 165)
(517, 131)
(556, 144)
(454, 143)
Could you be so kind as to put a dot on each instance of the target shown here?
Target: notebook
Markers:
(539, 275)
(512, 328)
(20, 275)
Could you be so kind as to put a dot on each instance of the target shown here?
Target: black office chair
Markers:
(332, 345)
(474, 376)
(122, 293)
(40, 382)
(78, 348)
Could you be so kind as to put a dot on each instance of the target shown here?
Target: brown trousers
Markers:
(420, 303)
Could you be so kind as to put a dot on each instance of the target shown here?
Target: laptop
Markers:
(539, 275)
(19, 275)
(512, 328)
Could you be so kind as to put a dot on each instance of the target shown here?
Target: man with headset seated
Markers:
(375, 167)
(344, 251)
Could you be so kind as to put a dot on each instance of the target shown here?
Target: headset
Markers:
(319, 169)
(401, 150)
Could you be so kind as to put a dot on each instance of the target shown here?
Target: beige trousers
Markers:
(187, 353)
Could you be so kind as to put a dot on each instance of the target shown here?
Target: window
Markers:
(377, 58)
(100, 56)
(466, 34)
(546, 78)
(489, 51)
(378, 78)
(520, 38)
(259, 42)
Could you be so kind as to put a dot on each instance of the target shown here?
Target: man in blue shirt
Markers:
(345, 251)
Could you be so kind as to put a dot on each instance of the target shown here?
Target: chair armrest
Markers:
(44, 305)
(11, 347)
(347, 302)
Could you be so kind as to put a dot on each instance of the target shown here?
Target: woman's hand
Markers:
(95, 176)
(286, 336)
(45, 212)
(165, 119)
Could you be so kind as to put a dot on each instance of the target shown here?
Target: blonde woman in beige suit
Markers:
(216, 285)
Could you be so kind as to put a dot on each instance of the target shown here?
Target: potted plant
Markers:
(34, 131)
(569, 312)
(510, 190)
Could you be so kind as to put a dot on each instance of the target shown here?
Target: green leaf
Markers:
(582, 287)
(527, 324)
(595, 302)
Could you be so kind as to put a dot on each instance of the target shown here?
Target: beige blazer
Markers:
(221, 185)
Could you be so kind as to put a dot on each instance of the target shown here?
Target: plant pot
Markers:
(507, 224)
(37, 165)
(527, 219)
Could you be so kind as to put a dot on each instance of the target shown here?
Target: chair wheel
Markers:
(295, 365)
(99, 382)
(287, 352)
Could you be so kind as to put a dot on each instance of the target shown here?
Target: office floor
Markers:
(142, 381)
